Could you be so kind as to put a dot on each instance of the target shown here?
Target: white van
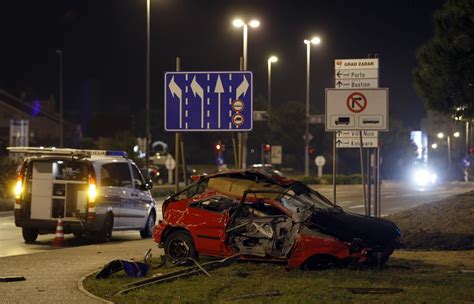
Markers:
(93, 192)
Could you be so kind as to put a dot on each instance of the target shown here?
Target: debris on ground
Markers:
(183, 273)
(132, 268)
(275, 293)
(375, 290)
(443, 225)
(12, 279)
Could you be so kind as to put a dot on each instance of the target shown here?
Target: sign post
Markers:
(357, 112)
(320, 161)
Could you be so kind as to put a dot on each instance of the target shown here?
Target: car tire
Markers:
(179, 246)
(104, 235)
(29, 234)
(147, 232)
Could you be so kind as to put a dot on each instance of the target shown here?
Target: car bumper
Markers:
(49, 226)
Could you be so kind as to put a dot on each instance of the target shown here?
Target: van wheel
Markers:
(105, 234)
(179, 246)
(148, 230)
(29, 234)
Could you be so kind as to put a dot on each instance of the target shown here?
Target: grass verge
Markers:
(425, 277)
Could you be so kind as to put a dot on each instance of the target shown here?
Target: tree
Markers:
(444, 77)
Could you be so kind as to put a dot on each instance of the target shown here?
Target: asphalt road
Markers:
(395, 197)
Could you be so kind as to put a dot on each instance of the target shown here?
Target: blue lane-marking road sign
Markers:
(208, 101)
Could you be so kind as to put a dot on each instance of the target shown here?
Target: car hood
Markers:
(374, 232)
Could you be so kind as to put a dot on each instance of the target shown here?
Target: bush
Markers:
(8, 175)
(326, 179)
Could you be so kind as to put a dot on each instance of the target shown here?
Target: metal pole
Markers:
(269, 90)
(147, 89)
(243, 157)
(306, 139)
(183, 161)
(379, 183)
(376, 182)
(234, 146)
(449, 153)
(334, 167)
(467, 137)
(369, 182)
(61, 110)
(177, 141)
(362, 172)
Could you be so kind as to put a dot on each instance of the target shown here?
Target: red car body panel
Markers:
(208, 230)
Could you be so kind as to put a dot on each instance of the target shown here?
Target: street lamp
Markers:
(147, 89)
(253, 24)
(270, 60)
(308, 42)
(434, 146)
(240, 23)
(448, 140)
(61, 110)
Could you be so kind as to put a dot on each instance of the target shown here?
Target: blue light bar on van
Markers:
(116, 153)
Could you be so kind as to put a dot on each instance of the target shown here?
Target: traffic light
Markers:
(267, 148)
(311, 151)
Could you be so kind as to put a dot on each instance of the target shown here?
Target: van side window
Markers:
(138, 180)
(123, 174)
(107, 176)
(116, 175)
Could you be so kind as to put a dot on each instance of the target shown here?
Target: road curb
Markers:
(6, 213)
(80, 285)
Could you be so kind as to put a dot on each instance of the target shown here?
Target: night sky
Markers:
(104, 47)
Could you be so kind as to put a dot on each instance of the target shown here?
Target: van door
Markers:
(142, 196)
(41, 191)
(130, 213)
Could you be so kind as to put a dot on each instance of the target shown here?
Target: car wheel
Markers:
(179, 246)
(29, 234)
(104, 235)
(150, 223)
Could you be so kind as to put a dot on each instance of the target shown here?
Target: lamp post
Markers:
(147, 89)
(314, 41)
(270, 60)
(448, 140)
(253, 24)
(61, 110)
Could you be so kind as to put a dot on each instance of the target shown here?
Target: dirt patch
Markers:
(444, 225)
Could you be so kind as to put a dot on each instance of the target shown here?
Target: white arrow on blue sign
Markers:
(206, 101)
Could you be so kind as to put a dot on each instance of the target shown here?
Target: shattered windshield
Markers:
(299, 196)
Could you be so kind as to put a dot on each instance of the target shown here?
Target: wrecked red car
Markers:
(268, 217)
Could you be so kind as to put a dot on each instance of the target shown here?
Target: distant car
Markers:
(92, 191)
(268, 168)
(267, 217)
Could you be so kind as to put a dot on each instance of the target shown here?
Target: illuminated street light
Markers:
(315, 41)
(456, 134)
(238, 23)
(440, 135)
(253, 24)
(271, 60)
(434, 146)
